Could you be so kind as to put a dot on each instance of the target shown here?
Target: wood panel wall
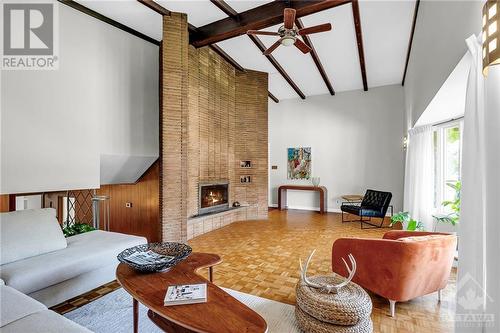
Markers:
(4, 203)
(143, 218)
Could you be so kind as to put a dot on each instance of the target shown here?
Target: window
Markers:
(448, 161)
(28, 201)
(65, 211)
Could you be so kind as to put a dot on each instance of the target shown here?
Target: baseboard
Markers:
(329, 210)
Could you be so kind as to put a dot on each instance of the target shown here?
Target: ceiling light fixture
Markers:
(289, 33)
(491, 35)
(287, 41)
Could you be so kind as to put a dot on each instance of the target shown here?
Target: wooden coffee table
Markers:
(221, 313)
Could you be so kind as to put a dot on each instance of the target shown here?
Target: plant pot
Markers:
(397, 226)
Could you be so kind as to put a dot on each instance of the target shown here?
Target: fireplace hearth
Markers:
(213, 197)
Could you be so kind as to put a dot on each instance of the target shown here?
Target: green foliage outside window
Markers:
(454, 204)
(77, 228)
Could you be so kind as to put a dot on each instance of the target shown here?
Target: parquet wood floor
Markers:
(261, 258)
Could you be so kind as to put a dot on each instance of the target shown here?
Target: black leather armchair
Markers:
(374, 205)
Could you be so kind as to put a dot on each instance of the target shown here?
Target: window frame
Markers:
(440, 162)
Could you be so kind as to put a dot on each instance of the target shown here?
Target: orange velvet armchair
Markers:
(401, 266)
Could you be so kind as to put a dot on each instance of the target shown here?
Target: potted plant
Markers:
(76, 228)
(453, 217)
(405, 219)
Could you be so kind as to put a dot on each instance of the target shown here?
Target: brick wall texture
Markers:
(212, 116)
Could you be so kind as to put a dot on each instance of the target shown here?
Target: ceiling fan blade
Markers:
(272, 47)
(258, 32)
(289, 18)
(315, 29)
(302, 46)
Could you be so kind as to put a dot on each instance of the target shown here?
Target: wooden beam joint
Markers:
(315, 57)
(272, 97)
(277, 65)
(227, 9)
(256, 18)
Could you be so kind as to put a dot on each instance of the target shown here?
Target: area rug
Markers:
(112, 313)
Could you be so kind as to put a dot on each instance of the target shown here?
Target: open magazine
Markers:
(186, 294)
(148, 258)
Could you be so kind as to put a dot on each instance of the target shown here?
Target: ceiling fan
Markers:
(289, 33)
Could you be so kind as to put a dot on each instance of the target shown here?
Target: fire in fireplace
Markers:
(213, 197)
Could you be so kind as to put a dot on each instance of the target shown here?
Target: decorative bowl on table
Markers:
(154, 257)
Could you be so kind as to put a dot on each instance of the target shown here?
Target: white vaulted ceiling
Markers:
(386, 27)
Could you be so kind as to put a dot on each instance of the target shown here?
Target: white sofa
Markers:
(20, 314)
(36, 259)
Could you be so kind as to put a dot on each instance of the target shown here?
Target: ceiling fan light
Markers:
(287, 41)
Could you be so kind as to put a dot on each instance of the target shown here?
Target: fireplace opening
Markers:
(213, 197)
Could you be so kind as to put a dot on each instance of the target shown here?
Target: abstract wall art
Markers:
(299, 163)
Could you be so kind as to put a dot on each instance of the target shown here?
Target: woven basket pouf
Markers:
(347, 307)
(310, 324)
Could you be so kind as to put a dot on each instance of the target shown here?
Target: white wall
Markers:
(356, 140)
(438, 45)
(102, 100)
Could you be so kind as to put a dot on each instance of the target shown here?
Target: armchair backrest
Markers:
(402, 266)
(377, 200)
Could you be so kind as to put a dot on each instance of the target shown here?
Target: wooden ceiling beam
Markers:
(359, 39)
(277, 65)
(410, 42)
(163, 11)
(100, 17)
(257, 18)
(155, 6)
(315, 57)
(227, 57)
(272, 97)
(227, 9)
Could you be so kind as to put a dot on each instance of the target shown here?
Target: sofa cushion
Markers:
(85, 252)
(15, 305)
(28, 233)
(421, 238)
(44, 321)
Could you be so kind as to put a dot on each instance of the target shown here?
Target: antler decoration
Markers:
(330, 288)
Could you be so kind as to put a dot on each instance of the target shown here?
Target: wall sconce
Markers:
(405, 142)
(491, 36)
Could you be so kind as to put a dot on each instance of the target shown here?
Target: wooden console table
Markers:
(282, 200)
(222, 313)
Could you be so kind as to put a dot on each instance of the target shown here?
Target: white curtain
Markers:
(419, 175)
(478, 283)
